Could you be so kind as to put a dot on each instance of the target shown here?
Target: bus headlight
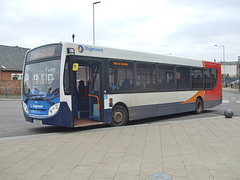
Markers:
(53, 109)
(25, 108)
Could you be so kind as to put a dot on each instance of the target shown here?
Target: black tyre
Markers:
(199, 106)
(119, 116)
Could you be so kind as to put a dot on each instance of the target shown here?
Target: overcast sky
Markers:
(184, 28)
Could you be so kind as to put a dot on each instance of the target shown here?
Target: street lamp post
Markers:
(238, 67)
(94, 22)
(224, 78)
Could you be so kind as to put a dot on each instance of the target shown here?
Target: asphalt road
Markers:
(12, 122)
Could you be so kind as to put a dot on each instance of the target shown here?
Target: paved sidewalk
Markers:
(231, 89)
(204, 149)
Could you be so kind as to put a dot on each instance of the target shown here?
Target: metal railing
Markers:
(10, 93)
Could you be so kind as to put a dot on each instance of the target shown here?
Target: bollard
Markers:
(228, 113)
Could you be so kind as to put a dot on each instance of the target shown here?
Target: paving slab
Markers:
(207, 148)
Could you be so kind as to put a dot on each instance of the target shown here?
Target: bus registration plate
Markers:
(36, 121)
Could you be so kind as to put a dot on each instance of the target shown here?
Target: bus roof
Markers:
(104, 52)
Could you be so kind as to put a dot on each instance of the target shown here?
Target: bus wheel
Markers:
(199, 106)
(119, 116)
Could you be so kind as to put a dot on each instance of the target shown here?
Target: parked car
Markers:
(235, 82)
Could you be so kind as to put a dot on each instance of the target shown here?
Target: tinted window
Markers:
(183, 77)
(120, 76)
(214, 77)
(145, 76)
(165, 77)
(207, 79)
(66, 78)
(197, 78)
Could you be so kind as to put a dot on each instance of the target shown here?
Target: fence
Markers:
(10, 88)
(10, 92)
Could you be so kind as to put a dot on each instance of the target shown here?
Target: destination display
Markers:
(44, 52)
(115, 63)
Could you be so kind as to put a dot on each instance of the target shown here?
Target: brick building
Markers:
(11, 63)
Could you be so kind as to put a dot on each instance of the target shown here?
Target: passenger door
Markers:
(94, 91)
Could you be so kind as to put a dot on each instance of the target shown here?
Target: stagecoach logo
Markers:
(36, 106)
(87, 48)
(80, 48)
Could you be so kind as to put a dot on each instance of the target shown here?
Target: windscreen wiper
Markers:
(26, 100)
(38, 98)
(50, 102)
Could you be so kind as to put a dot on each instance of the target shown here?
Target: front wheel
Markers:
(199, 106)
(119, 116)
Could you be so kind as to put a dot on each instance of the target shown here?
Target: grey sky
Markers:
(185, 28)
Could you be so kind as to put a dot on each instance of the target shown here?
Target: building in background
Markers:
(11, 63)
(231, 69)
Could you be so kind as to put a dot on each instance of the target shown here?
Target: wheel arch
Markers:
(119, 114)
(123, 105)
(200, 97)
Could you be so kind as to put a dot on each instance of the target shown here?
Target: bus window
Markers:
(66, 78)
(197, 78)
(183, 77)
(214, 77)
(207, 79)
(166, 77)
(145, 76)
(42, 79)
(120, 76)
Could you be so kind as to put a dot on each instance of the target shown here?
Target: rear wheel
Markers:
(119, 116)
(199, 106)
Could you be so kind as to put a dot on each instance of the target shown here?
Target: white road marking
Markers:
(225, 101)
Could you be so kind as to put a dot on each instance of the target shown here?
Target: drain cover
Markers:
(160, 176)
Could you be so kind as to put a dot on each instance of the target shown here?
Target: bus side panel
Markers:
(62, 118)
(212, 103)
(213, 97)
(152, 104)
(107, 115)
(187, 107)
(147, 111)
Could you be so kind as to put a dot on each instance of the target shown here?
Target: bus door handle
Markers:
(95, 97)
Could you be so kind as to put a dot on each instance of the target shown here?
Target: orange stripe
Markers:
(193, 98)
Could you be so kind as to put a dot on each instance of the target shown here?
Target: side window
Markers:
(145, 76)
(197, 78)
(214, 77)
(120, 76)
(183, 77)
(165, 77)
(207, 79)
(66, 78)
